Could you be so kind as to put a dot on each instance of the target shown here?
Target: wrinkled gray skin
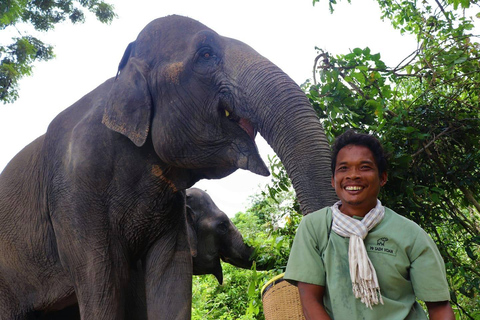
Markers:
(212, 236)
(104, 187)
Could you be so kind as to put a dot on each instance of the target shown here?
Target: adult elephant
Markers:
(103, 188)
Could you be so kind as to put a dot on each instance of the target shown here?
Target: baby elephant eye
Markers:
(222, 228)
(206, 55)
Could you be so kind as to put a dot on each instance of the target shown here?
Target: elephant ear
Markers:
(129, 103)
(126, 55)
(192, 234)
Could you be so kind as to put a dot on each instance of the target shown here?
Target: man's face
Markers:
(357, 180)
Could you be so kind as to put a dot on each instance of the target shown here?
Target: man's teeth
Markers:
(353, 188)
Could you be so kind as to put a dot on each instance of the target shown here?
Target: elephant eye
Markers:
(206, 53)
(222, 228)
(206, 60)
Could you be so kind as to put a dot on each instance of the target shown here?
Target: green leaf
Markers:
(350, 56)
(373, 103)
(271, 192)
(357, 51)
(470, 253)
(465, 3)
(435, 198)
(362, 68)
(359, 76)
(408, 129)
(460, 60)
(437, 190)
(283, 186)
(251, 289)
(409, 68)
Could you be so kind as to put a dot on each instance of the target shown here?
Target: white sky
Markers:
(284, 31)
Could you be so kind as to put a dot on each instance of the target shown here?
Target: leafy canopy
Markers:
(18, 57)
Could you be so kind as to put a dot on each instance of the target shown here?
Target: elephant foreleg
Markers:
(169, 281)
(100, 278)
(102, 295)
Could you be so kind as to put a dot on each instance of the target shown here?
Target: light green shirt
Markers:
(406, 260)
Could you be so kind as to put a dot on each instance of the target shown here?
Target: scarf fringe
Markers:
(367, 292)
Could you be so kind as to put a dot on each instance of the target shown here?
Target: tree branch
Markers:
(432, 141)
(443, 10)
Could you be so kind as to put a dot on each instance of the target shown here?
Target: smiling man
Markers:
(359, 259)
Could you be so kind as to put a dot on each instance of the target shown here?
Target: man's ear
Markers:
(192, 234)
(333, 182)
(383, 178)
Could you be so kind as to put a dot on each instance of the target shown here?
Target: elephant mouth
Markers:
(247, 127)
(242, 149)
(225, 107)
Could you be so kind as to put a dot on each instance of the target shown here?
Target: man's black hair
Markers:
(351, 137)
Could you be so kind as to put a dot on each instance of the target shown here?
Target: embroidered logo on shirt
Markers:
(381, 241)
(381, 246)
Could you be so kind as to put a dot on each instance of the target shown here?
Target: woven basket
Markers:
(281, 300)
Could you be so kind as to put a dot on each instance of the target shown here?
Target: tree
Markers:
(426, 111)
(18, 57)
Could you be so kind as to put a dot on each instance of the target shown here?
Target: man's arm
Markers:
(311, 296)
(440, 310)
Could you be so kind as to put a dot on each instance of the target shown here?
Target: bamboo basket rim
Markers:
(271, 282)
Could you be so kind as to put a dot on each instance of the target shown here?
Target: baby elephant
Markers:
(212, 236)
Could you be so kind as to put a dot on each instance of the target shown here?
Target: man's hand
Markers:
(311, 296)
(440, 310)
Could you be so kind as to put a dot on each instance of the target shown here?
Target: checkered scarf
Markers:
(362, 273)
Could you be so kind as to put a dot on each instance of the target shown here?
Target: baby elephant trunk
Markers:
(238, 253)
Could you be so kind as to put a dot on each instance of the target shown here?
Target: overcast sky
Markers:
(284, 31)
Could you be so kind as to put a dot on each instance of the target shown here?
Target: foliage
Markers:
(426, 112)
(18, 57)
(228, 301)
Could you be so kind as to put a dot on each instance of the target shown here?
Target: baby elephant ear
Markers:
(192, 234)
(129, 102)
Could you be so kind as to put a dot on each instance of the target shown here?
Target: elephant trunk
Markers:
(284, 117)
(236, 252)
